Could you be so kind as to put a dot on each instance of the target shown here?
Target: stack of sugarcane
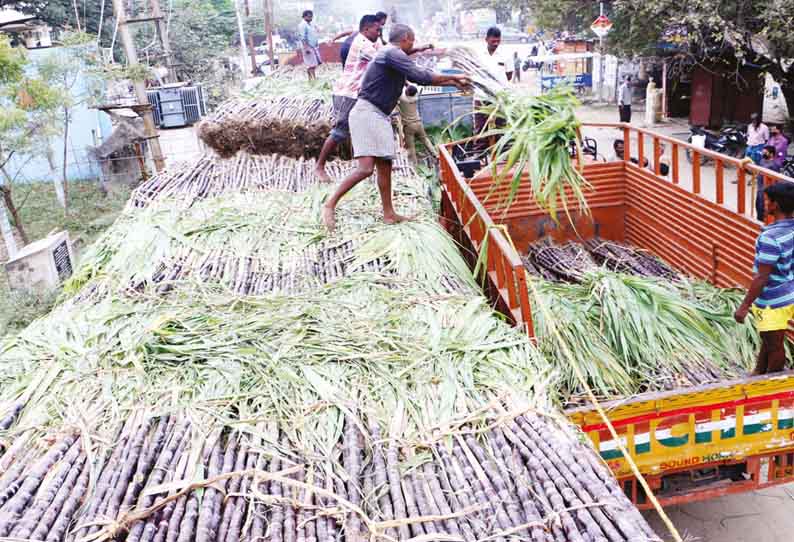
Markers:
(211, 177)
(177, 395)
(572, 260)
(647, 327)
(285, 114)
(628, 259)
(165, 481)
(568, 262)
(292, 126)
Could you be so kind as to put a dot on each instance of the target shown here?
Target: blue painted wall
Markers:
(84, 122)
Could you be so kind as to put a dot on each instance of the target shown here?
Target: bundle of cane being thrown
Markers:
(467, 60)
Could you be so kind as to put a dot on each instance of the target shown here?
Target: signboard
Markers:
(580, 80)
(475, 20)
(601, 26)
(63, 263)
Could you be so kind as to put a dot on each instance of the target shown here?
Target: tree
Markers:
(548, 15)
(730, 33)
(61, 14)
(28, 108)
(727, 32)
(77, 73)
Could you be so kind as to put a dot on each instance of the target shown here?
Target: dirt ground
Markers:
(760, 516)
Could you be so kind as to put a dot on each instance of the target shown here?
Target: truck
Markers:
(689, 444)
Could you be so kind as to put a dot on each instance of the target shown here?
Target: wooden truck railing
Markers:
(689, 444)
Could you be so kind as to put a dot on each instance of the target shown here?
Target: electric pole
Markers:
(241, 30)
(140, 88)
(269, 32)
(162, 34)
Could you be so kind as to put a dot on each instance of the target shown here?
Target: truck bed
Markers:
(689, 443)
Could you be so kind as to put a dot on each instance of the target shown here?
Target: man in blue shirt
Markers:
(370, 124)
(771, 294)
(309, 44)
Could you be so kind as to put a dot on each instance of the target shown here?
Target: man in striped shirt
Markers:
(363, 49)
(771, 294)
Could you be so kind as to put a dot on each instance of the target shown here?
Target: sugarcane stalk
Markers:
(14, 507)
(233, 487)
(381, 477)
(75, 498)
(43, 522)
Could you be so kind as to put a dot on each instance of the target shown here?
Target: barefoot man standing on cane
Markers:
(370, 125)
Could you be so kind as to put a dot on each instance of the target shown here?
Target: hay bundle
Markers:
(295, 127)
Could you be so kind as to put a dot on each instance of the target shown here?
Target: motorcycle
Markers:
(788, 167)
(730, 141)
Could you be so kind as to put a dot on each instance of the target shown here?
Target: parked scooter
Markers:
(788, 166)
(730, 140)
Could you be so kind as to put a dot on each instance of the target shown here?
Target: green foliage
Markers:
(43, 96)
(534, 141)
(28, 104)
(19, 309)
(12, 61)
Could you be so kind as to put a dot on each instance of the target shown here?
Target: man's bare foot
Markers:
(396, 219)
(329, 217)
(322, 175)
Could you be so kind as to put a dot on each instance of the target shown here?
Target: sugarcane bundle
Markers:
(211, 177)
(292, 126)
(569, 262)
(628, 259)
(572, 260)
(533, 137)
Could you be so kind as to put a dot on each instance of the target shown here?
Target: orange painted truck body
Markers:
(693, 443)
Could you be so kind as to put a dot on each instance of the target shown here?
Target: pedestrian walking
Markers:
(309, 44)
(771, 293)
(517, 67)
(345, 92)
(757, 136)
(412, 123)
(624, 100)
(370, 126)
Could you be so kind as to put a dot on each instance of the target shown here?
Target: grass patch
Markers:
(90, 213)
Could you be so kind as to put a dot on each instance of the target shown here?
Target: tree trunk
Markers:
(8, 233)
(9, 204)
(55, 177)
(65, 156)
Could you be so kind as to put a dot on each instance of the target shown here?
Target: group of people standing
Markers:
(767, 147)
(372, 83)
